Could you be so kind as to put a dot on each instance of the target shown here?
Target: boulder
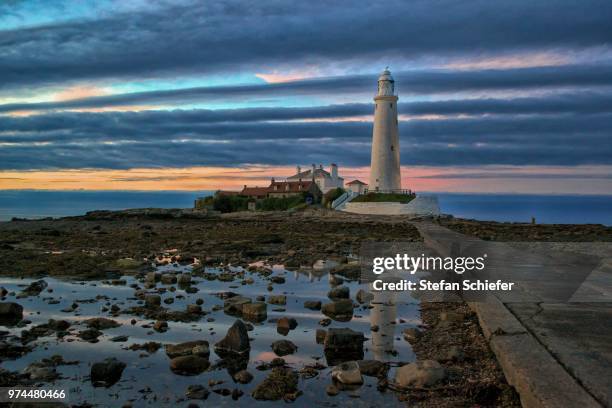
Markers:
(235, 341)
(364, 296)
(187, 348)
(283, 347)
(90, 335)
(197, 392)
(233, 306)
(277, 299)
(184, 279)
(189, 365)
(243, 377)
(101, 323)
(420, 374)
(168, 278)
(11, 311)
(412, 334)
(40, 371)
(107, 372)
(194, 309)
(347, 373)
(340, 310)
(256, 311)
(372, 368)
(152, 301)
(33, 289)
(340, 292)
(320, 336)
(160, 326)
(312, 304)
(281, 383)
(285, 324)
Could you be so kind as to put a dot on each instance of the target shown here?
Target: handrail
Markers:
(338, 201)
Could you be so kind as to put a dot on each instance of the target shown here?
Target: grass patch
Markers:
(383, 198)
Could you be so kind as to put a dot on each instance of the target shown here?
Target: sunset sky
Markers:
(495, 96)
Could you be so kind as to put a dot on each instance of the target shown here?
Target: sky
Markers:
(509, 96)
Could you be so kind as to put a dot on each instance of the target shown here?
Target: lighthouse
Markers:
(385, 163)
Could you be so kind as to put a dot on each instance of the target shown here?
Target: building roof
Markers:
(357, 182)
(254, 191)
(289, 186)
(227, 193)
(308, 174)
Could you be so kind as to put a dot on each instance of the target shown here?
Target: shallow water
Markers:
(153, 370)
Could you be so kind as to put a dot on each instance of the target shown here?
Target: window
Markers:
(391, 105)
(392, 148)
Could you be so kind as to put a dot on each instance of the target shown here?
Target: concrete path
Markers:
(553, 335)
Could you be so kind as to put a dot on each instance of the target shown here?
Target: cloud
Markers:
(416, 82)
(213, 37)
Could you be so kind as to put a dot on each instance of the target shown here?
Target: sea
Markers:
(550, 209)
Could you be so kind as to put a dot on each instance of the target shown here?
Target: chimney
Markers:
(333, 169)
(314, 167)
(299, 169)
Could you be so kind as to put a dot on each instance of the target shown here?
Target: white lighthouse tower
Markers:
(385, 165)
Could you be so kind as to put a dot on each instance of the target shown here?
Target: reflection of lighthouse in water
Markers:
(383, 315)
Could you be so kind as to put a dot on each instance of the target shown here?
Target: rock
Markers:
(184, 279)
(107, 372)
(277, 279)
(335, 280)
(33, 289)
(332, 390)
(257, 311)
(237, 393)
(127, 263)
(233, 306)
(312, 305)
(280, 383)
(197, 392)
(372, 368)
(243, 377)
(364, 296)
(277, 299)
(90, 335)
(340, 292)
(119, 339)
(412, 334)
(283, 347)
(325, 322)
(189, 365)
(284, 324)
(343, 345)
(420, 374)
(341, 310)
(40, 371)
(199, 347)
(347, 373)
(152, 301)
(168, 278)
(10, 311)
(101, 323)
(58, 325)
(199, 301)
(320, 336)
(160, 326)
(235, 341)
(194, 309)
(169, 301)
(152, 277)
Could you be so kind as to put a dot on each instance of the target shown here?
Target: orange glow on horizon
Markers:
(491, 179)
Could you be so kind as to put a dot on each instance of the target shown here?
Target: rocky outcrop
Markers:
(107, 372)
(283, 347)
(235, 341)
(281, 383)
(340, 310)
